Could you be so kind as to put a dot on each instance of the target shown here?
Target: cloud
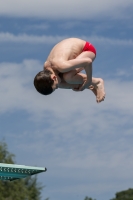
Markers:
(65, 9)
(45, 39)
(33, 39)
(124, 73)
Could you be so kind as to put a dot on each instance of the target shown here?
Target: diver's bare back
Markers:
(66, 50)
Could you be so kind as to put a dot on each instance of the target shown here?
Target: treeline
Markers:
(123, 195)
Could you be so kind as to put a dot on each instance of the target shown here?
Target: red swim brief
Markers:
(89, 47)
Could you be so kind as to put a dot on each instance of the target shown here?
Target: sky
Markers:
(86, 147)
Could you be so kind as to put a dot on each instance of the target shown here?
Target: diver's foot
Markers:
(100, 92)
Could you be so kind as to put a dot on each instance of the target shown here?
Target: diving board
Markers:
(12, 172)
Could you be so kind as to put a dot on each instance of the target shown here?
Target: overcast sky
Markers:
(86, 147)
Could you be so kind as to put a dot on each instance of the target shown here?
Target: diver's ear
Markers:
(53, 77)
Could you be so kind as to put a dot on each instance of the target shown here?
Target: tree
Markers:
(88, 198)
(124, 195)
(22, 189)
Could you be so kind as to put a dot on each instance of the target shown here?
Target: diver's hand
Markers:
(85, 85)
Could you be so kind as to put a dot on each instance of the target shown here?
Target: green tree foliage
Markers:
(124, 195)
(22, 189)
(88, 198)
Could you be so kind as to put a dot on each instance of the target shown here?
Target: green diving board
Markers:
(12, 172)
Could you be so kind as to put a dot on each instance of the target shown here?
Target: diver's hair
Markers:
(43, 82)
